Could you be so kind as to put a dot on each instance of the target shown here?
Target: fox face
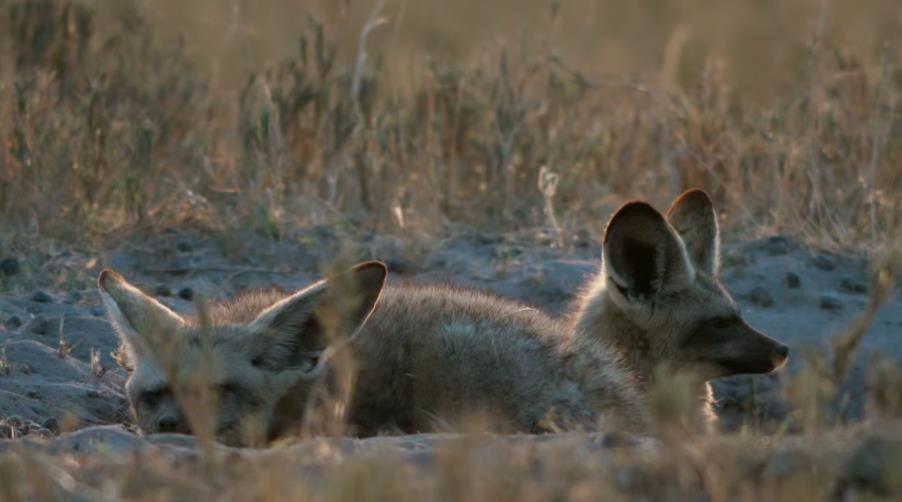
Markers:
(242, 369)
(661, 298)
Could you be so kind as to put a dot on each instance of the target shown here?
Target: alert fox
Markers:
(657, 300)
(427, 358)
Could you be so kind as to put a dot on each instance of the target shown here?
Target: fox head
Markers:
(257, 356)
(659, 300)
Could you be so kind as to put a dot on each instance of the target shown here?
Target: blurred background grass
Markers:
(538, 114)
(762, 44)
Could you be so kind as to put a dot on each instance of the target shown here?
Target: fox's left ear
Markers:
(643, 255)
(142, 323)
(692, 215)
(296, 331)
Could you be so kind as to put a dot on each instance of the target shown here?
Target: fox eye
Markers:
(721, 322)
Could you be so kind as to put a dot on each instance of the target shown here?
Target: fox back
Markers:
(658, 302)
(431, 357)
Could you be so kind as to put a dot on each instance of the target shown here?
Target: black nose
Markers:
(783, 350)
(168, 424)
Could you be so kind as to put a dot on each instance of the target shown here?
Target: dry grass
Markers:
(109, 127)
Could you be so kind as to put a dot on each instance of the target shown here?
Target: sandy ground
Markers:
(797, 295)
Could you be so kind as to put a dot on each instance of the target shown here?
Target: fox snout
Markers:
(762, 353)
(734, 347)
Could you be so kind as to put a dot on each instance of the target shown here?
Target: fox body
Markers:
(431, 355)
(426, 359)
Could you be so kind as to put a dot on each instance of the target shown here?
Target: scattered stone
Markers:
(830, 302)
(41, 297)
(759, 296)
(162, 290)
(792, 280)
(777, 245)
(10, 266)
(851, 285)
(13, 322)
(777, 239)
(183, 246)
(186, 293)
(823, 262)
(38, 325)
(98, 311)
(52, 424)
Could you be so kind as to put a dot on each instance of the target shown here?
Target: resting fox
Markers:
(428, 358)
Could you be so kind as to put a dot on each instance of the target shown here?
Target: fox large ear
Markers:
(693, 217)
(294, 332)
(643, 255)
(138, 319)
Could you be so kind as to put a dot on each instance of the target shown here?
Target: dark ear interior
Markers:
(642, 253)
(692, 215)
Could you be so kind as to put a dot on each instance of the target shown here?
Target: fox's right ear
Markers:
(643, 255)
(136, 316)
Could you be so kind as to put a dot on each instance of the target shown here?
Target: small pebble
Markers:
(10, 266)
(823, 262)
(186, 293)
(37, 325)
(13, 322)
(162, 290)
(777, 239)
(759, 296)
(41, 297)
(98, 311)
(792, 280)
(52, 424)
(830, 302)
(851, 285)
(777, 245)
